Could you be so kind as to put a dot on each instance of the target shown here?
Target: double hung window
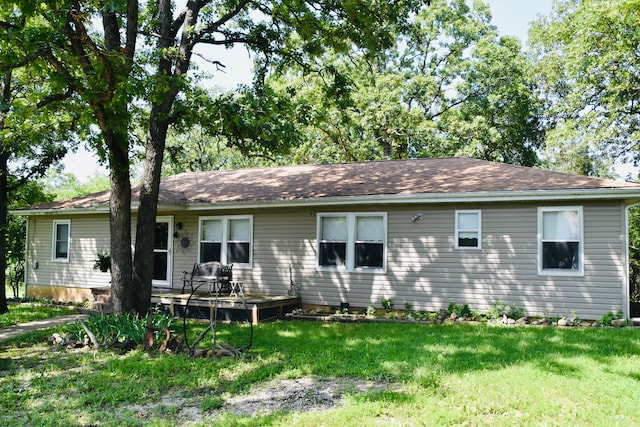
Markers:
(469, 229)
(226, 239)
(352, 241)
(560, 240)
(61, 238)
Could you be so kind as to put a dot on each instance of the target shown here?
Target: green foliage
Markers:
(125, 327)
(587, 62)
(499, 309)
(411, 374)
(67, 186)
(102, 261)
(606, 318)
(29, 312)
(387, 303)
(448, 86)
(370, 311)
(459, 310)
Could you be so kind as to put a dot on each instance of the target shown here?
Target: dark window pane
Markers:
(238, 252)
(333, 253)
(470, 242)
(210, 252)
(62, 249)
(369, 254)
(161, 238)
(160, 265)
(560, 255)
(62, 241)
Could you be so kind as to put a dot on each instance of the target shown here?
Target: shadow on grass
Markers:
(102, 387)
(397, 351)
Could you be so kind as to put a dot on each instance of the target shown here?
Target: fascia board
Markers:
(432, 198)
(629, 196)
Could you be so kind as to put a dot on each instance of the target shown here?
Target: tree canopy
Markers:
(588, 70)
(448, 85)
(111, 57)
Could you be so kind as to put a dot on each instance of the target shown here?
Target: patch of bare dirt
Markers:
(295, 395)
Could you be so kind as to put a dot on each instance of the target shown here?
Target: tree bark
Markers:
(122, 295)
(4, 308)
(159, 120)
(147, 210)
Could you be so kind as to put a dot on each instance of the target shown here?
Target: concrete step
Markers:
(100, 307)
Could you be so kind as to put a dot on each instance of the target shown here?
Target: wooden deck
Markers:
(202, 305)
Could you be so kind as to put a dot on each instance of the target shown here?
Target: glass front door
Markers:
(162, 249)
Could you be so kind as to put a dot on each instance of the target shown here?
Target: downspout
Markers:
(26, 257)
(626, 298)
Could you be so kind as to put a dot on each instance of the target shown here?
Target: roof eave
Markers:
(629, 196)
(433, 198)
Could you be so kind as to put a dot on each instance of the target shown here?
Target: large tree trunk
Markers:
(3, 231)
(159, 120)
(122, 294)
(148, 207)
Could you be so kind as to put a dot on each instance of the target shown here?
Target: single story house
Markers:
(425, 232)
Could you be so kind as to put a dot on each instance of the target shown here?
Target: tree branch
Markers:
(55, 97)
(223, 20)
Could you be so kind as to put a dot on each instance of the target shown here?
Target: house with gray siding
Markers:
(425, 232)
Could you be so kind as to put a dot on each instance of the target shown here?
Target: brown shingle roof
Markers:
(383, 178)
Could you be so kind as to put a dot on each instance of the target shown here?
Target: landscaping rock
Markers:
(522, 321)
(562, 322)
(618, 323)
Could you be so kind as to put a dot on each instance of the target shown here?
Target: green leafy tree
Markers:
(586, 54)
(30, 141)
(66, 185)
(112, 56)
(448, 86)
(30, 192)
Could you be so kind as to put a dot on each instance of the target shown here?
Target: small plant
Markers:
(459, 310)
(387, 303)
(102, 261)
(408, 310)
(211, 403)
(606, 319)
(499, 309)
(371, 311)
(515, 311)
(573, 317)
(124, 328)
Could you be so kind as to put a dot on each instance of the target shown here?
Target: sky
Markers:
(511, 17)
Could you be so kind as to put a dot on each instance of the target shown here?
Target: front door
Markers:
(162, 251)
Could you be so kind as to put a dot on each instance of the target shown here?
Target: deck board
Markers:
(254, 307)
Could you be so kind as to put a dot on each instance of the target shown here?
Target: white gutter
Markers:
(430, 198)
(26, 258)
(423, 198)
(626, 297)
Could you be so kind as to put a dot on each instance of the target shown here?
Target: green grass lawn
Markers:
(426, 375)
(28, 312)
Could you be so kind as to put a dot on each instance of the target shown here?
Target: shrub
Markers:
(606, 319)
(500, 309)
(127, 327)
(387, 303)
(459, 310)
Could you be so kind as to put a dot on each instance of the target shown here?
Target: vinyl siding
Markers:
(88, 235)
(423, 267)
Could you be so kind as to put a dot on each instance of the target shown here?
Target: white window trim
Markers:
(559, 271)
(225, 219)
(479, 230)
(351, 242)
(54, 238)
(169, 219)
